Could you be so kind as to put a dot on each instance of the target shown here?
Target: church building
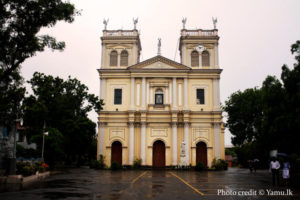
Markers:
(158, 110)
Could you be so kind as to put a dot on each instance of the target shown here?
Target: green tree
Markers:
(11, 96)
(53, 149)
(244, 114)
(269, 117)
(20, 23)
(63, 105)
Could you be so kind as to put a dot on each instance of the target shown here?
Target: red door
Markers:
(201, 153)
(116, 152)
(159, 154)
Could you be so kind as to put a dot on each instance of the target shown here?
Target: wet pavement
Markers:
(83, 183)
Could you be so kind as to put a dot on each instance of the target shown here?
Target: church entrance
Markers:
(116, 152)
(201, 153)
(159, 154)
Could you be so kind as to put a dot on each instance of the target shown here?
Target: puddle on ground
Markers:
(62, 195)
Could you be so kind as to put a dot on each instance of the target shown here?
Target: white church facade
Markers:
(156, 107)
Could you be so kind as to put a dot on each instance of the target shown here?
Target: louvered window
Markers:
(124, 58)
(205, 59)
(113, 59)
(195, 59)
(200, 96)
(118, 97)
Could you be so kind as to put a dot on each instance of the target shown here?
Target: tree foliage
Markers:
(63, 105)
(20, 23)
(11, 96)
(268, 117)
(244, 111)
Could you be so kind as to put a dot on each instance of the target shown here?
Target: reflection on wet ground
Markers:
(86, 183)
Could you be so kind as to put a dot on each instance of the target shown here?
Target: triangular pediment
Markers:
(159, 62)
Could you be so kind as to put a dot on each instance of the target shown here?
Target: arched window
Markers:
(195, 59)
(205, 59)
(113, 58)
(159, 96)
(124, 58)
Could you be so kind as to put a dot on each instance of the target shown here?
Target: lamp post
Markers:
(44, 134)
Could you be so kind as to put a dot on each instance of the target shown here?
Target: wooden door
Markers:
(116, 152)
(201, 153)
(159, 154)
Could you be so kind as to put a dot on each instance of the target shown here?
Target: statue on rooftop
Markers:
(215, 20)
(105, 22)
(183, 22)
(159, 46)
(135, 21)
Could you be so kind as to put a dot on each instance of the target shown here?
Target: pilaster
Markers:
(131, 142)
(174, 144)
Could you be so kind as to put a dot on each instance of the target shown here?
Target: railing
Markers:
(202, 33)
(120, 33)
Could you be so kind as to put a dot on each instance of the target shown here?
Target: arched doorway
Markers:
(201, 153)
(116, 152)
(159, 154)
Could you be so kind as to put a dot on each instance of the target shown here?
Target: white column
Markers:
(119, 59)
(187, 143)
(103, 90)
(131, 143)
(179, 94)
(174, 144)
(147, 93)
(174, 94)
(216, 90)
(143, 143)
(134, 54)
(132, 107)
(138, 94)
(101, 139)
(170, 97)
(183, 58)
(200, 59)
(151, 95)
(143, 93)
(216, 56)
(103, 56)
(185, 96)
(167, 95)
(217, 132)
(210, 58)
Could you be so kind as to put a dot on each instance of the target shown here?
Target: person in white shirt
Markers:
(274, 167)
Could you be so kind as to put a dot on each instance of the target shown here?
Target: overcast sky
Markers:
(255, 37)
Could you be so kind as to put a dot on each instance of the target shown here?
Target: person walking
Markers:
(255, 164)
(274, 167)
(250, 164)
(286, 172)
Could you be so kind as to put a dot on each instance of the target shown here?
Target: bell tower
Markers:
(120, 48)
(199, 48)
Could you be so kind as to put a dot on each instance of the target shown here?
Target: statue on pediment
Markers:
(135, 21)
(183, 22)
(159, 46)
(105, 22)
(215, 20)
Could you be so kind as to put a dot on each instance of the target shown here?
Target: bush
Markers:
(24, 168)
(199, 166)
(137, 163)
(220, 164)
(27, 168)
(115, 166)
(98, 164)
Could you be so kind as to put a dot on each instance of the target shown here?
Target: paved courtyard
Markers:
(86, 183)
